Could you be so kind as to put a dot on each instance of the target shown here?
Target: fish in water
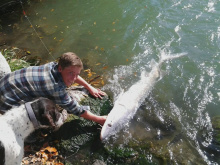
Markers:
(128, 102)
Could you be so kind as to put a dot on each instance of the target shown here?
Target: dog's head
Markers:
(47, 113)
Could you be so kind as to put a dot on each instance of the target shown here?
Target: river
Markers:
(119, 39)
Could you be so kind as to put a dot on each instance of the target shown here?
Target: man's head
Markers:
(70, 59)
(70, 66)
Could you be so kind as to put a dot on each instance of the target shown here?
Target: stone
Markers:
(98, 162)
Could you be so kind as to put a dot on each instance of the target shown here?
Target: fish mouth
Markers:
(104, 135)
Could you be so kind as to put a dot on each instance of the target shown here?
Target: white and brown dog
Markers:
(17, 123)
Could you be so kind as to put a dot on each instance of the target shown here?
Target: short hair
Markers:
(70, 59)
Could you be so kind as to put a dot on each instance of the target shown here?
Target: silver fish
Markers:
(127, 103)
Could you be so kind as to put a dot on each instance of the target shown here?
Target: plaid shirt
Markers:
(38, 81)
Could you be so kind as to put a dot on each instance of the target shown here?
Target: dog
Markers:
(17, 123)
(4, 67)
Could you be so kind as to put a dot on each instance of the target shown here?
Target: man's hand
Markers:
(93, 91)
(90, 116)
(96, 92)
(102, 120)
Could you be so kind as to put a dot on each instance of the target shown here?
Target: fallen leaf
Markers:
(98, 64)
(102, 49)
(102, 82)
(51, 149)
(52, 10)
(113, 23)
(105, 67)
(26, 162)
(87, 70)
(90, 74)
(28, 52)
(94, 23)
(113, 30)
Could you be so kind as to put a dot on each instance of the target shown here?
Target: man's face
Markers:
(69, 74)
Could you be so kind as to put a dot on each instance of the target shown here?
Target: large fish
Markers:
(127, 103)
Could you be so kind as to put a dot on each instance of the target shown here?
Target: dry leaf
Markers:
(105, 67)
(87, 70)
(102, 82)
(25, 162)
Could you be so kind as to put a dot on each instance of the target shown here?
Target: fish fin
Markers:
(162, 74)
(170, 57)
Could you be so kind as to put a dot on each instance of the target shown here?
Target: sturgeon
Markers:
(128, 102)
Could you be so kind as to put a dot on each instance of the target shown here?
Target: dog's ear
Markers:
(48, 114)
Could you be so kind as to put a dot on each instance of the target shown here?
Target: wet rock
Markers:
(216, 126)
(98, 162)
(79, 93)
(78, 133)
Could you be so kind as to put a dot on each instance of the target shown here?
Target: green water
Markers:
(123, 37)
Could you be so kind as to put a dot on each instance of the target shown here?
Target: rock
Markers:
(98, 162)
(4, 67)
(78, 92)
(78, 133)
(216, 132)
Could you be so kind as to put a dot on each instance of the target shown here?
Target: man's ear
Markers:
(60, 68)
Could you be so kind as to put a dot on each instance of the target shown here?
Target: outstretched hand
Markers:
(96, 92)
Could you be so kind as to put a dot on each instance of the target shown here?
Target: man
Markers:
(49, 80)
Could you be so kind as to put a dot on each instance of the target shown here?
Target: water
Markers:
(118, 40)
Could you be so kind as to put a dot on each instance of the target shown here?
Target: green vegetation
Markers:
(17, 58)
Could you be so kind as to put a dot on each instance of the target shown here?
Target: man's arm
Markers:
(93, 91)
(90, 116)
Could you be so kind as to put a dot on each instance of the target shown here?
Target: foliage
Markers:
(14, 63)
(17, 58)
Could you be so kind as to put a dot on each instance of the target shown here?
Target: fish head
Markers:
(114, 122)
